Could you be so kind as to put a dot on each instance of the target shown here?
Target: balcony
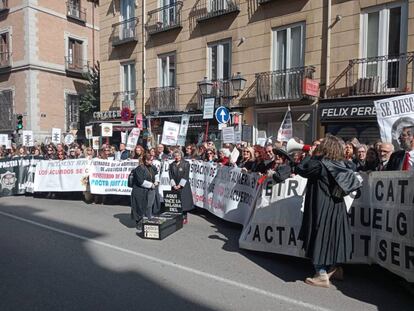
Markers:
(75, 11)
(5, 61)
(381, 75)
(76, 65)
(261, 2)
(124, 99)
(164, 99)
(213, 8)
(165, 18)
(4, 6)
(282, 85)
(125, 31)
(222, 90)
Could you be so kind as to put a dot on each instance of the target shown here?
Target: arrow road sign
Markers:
(222, 115)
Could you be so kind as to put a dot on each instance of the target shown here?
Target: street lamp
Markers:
(238, 82)
(205, 86)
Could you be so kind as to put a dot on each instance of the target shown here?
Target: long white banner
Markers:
(61, 176)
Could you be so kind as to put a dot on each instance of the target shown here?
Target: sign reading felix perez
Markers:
(345, 110)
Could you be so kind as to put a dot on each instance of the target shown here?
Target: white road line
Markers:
(173, 265)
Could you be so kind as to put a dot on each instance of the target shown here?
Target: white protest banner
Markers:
(261, 138)
(170, 133)
(185, 120)
(56, 136)
(96, 142)
(228, 135)
(393, 114)
(69, 139)
(88, 132)
(111, 177)
(123, 137)
(3, 139)
(208, 108)
(28, 140)
(61, 176)
(286, 130)
(106, 129)
(8, 144)
(133, 139)
(392, 222)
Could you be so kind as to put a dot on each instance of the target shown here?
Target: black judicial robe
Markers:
(325, 230)
(180, 175)
(142, 195)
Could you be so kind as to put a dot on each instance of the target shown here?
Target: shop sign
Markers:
(310, 87)
(342, 110)
(105, 115)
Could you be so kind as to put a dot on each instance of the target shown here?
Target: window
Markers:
(4, 49)
(219, 61)
(217, 5)
(168, 16)
(127, 28)
(287, 60)
(72, 112)
(128, 85)
(74, 8)
(75, 54)
(383, 31)
(167, 70)
(6, 110)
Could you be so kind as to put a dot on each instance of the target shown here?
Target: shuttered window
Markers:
(72, 112)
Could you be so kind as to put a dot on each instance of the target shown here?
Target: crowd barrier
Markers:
(381, 216)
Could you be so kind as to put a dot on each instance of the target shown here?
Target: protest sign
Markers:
(110, 177)
(228, 135)
(61, 176)
(172, 202)
(15, 175)
(123, 137)
(208, 107)
(88, 132)
(3, 139)
(286, 130)
(56, 136)
(133, 139)
(28, 140)
(185, 120)
(96, 142)
(170, 133)
(393, 114)
(106, 129)
(69, 139)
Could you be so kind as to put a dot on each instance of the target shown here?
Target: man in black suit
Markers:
(403, 160)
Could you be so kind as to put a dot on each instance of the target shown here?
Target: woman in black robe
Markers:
(179, 171)
(325, 230)
(145, 180)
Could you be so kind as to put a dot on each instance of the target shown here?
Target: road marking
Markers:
(172, 264)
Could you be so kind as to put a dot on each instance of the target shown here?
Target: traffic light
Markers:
(19, 124)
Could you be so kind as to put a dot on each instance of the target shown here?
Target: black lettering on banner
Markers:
(292, 186)
(351, 216)
(365, 219)
(292, 238)
(280, 230)
(409, 257)
(395, 253)
(402, 224)
(390, 193)
(268, 238)
(379, 196)
(403, 183)
(387, 222)
(382, 254)
(256, 234)
(376, 220)
(366, 239)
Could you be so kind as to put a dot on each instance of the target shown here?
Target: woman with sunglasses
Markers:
(247, 159)
(210, 156)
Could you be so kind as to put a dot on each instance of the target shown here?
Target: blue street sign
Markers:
(222, 115)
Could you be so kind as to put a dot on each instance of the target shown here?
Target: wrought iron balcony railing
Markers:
(379, 75)
(5, 59)
(76, 65)
(282, 85)
(164, 99)
(125, 31)
(222, 90)
(165, 18)
(124, 99)
(74, 10)
(212, 8)
(4, 5)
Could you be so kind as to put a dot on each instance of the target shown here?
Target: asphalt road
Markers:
(68, 255)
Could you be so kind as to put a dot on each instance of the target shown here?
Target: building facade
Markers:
(304, 54)
(46, 46)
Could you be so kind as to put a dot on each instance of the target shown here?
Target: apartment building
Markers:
(304, 54)
(45, 47)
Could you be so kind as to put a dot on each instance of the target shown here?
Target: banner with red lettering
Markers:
(61, 176)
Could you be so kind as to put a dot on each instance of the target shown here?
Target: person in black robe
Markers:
(325, 230)
(145, 181)
(179, 172)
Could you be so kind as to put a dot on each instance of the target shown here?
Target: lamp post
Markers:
(205, 86)
(238, 82)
